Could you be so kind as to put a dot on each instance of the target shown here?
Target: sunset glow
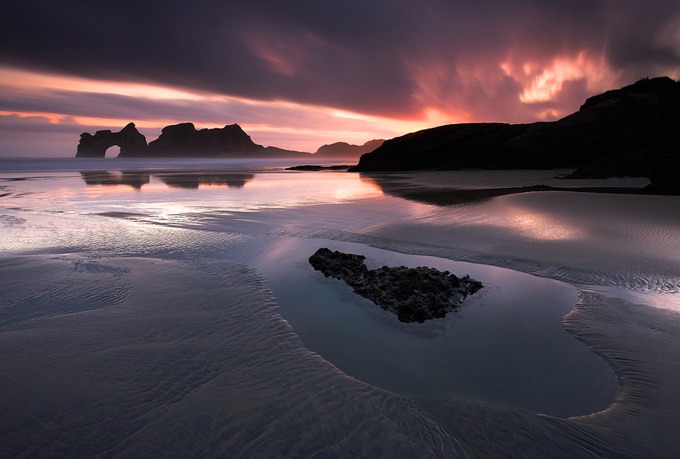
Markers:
(359, 228)
(322, 125)
(300, 78)
(13, 79)
(545, 83)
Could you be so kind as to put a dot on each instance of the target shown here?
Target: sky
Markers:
(300, 74)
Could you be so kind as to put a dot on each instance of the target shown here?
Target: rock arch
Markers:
(129, 139)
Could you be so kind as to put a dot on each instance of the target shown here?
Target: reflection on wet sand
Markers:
(191, 180)
(132, 179)
(184, 180)
(167, 327)
(401, 186)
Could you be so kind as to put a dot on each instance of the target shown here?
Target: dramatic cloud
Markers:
(419, 63)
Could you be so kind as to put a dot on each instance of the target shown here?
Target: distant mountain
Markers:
(633, 131)
(345, 150)
(179, 141)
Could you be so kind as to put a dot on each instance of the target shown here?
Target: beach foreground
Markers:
(173, 312)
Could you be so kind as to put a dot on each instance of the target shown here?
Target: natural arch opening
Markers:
(112, 152)
(129, 142)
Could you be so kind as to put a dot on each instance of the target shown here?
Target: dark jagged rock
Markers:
(665, 178)
(339, 265)
(346, 150)
(632, 131)
(413, 294)
(180, 141)
(129, 139)
(315, 167)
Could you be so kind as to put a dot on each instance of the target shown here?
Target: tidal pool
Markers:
(505, 344)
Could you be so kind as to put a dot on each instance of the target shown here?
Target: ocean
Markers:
(168, 308)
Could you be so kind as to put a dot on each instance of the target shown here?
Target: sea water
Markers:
(169, 307)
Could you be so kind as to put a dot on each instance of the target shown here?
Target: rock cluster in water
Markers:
(413, 294)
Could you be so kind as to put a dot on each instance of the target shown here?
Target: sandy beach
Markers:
(146, 316)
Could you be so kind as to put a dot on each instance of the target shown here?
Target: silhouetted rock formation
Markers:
(413, 294)
(316, 167)
(129, 139)
(631, 131)
(346, 150)
(666, 177)
(180, 141)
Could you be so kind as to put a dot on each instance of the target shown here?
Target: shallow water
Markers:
(149, 308)
(506, 344)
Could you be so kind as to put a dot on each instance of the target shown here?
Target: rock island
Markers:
(413, 294)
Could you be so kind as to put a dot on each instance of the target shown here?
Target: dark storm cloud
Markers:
(380, 57)
(217, 46)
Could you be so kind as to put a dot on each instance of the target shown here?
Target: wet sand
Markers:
(141, 324)
(161, 371)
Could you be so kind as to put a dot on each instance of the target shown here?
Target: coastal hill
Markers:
(345, 150)
(180, 140)
(632, 131)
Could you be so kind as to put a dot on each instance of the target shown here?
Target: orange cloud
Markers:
(544, 82)
(21, 80)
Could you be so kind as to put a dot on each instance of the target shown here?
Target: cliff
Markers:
(632, 131)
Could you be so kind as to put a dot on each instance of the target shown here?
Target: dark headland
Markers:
(180, 141)
(629, 132)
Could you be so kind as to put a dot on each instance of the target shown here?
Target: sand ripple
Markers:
(220, 373)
